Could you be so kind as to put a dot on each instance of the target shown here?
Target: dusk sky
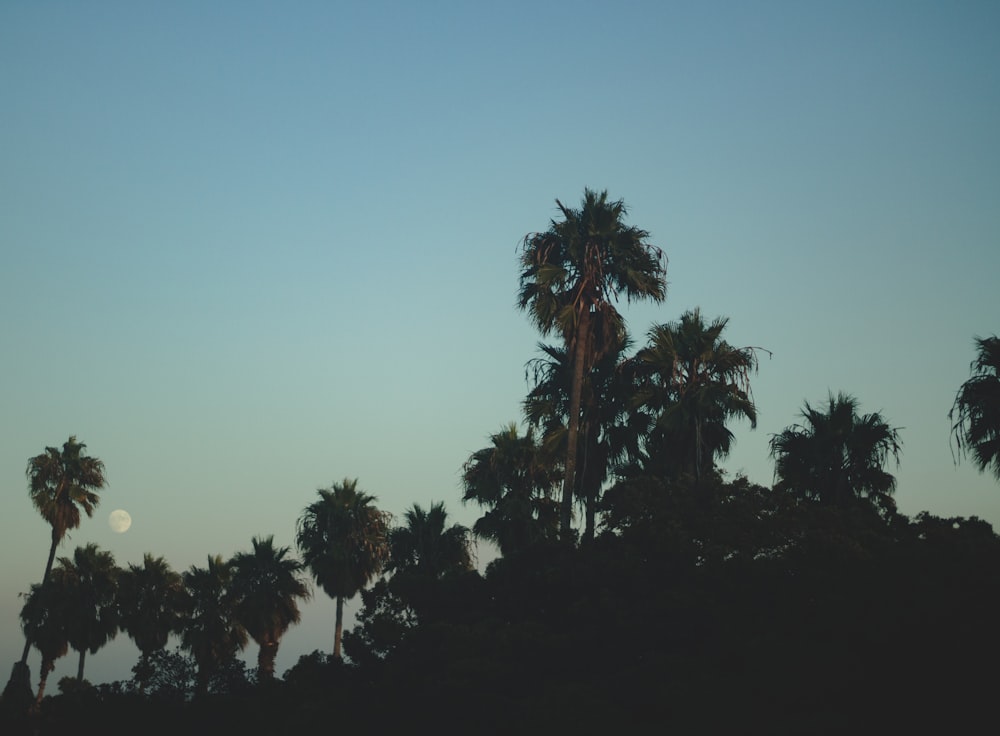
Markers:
(250, 249)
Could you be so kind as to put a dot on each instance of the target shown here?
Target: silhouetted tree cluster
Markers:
(684, 599)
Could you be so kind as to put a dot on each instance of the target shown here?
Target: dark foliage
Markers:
(721, 607)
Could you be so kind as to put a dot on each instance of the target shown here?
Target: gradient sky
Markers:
(249, 249)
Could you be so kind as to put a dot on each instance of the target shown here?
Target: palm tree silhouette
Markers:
(608, 432)
(424, 552)
(692, 382)
(427, 544)
(211, 632)
(976, 411)
(151, 602)
(514, 479)
(44, 619)
(89, 581)
(60, 483)
(267, 584)
(838, 457)
(571, 272)
(343, 540)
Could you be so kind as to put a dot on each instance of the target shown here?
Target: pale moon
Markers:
(119, 521)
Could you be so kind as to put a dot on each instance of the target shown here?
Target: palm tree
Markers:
(343, 540)
(608, 431)
(44, 618)
(267, 584)
(427, 545)
(212, 633)
(976, 411)
(514, 479)
(571, 272)
(424, 553)
(692, 383)
(90, 583)
(60, 484)
(151, 602)
(838, 457)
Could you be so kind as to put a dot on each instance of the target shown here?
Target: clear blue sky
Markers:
(251, 248)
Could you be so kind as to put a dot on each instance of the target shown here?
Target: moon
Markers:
(119, 521)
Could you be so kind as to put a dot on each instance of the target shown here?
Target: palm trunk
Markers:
(47, 667)
(589, 480)
(265, 659)
(24, 655)
(591, 511)
(56, 538)
(697, 451)
(573, 425)
(79, 669)
(340, 628)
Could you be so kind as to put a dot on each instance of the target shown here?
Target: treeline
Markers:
(722, 606)
(636, 584)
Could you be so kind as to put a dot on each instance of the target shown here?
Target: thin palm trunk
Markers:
(79, 669)
(56, 538)
(339, 628)
(588, 486)
(591, 511)
(47, 667)
(697, 450)
(265, 659)
(573, 425)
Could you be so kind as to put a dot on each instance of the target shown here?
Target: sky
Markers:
(250, 249)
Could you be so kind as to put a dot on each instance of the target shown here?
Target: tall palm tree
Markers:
(90, 583)
(44, 618)
(513, 478)
(267, 585)
(344, 542)
(837, 457)
(212, 633)
(151, 603)
(61, 483)
(574, 270)
(692, 383)
(976, 411)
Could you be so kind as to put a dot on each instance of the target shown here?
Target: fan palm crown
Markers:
(692, 383)
(837, 456)
(89, 580)
(211, 632)
(976, 411)
(513, 478)
(62, 483)
(151, 603)
(426, 544)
